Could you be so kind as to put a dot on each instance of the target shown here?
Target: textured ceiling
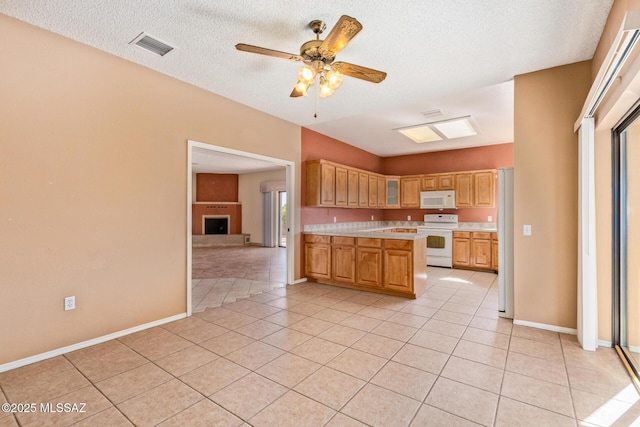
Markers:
(459, 56)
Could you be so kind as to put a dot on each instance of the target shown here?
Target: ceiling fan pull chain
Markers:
(317, 91)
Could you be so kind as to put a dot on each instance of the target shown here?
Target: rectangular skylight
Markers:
(455, 128)
(420, 134)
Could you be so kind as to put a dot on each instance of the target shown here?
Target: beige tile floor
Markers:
(224, 274)
(315, 355)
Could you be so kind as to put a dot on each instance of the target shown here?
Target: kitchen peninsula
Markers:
(389, 259)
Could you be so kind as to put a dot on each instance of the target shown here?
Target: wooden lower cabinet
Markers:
(461, 249)
(398, 269)
(494, 251)
(317, 256)
(481, 250)
(475, 250)
(369, 262)
(343, 259)
(390, 266)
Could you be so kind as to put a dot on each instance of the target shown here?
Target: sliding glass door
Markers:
(626, 241)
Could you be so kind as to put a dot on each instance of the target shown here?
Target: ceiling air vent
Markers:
(433, 113)
(151, 44)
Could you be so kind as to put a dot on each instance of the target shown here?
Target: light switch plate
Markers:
(526, 230)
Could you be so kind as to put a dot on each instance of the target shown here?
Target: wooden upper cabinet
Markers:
(484, 189)
(446, 182)
(341, 186)
(382, 191)
(352, 187)
(464, 190)
(334, 184)
(429, 183)
(437, 181)
(410, 192)
(321, 184)
(373, 191)
(363, 189)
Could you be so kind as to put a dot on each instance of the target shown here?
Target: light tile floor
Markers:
(224, 274)
(315, 355)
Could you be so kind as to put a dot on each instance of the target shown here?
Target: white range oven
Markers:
(439, 229)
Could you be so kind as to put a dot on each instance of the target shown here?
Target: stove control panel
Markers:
(441, 218)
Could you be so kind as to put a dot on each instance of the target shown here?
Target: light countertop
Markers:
(371, 233)
(372, 229)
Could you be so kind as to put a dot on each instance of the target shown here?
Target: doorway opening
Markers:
(214, 157)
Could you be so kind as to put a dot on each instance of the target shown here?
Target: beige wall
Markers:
(547, 104)
(93, 173)
(251, 198)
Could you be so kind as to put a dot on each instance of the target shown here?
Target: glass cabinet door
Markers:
(393, 193)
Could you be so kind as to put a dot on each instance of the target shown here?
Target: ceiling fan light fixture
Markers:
(325, 90)
(334, 79)
(306, 74)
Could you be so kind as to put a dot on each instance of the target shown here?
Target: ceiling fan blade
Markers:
(268, 52)
(359, 72)
(345, 29)
(296, 93)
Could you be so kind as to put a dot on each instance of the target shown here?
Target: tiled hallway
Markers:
(314, 355)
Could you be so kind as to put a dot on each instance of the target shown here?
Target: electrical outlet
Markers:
(371, 217)
(526, 230)
(408, 217)
(489, 218)
(334, 219)
(69, 303)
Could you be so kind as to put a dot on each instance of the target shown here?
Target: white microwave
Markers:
(438, 199)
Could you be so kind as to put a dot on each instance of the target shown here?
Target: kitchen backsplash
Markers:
(379, 224)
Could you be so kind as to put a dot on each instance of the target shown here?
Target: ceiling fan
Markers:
(319, 55)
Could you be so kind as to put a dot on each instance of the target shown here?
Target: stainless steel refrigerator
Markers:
(505, 242)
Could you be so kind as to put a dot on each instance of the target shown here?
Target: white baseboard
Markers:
(295, 282)
(603, 343)
(57, 352)
(546, 327)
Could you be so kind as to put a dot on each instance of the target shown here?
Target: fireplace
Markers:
(218, 224)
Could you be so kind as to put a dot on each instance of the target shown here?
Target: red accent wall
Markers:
(216, 187)
(464, 159)
(317, 146)
(233, 210)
